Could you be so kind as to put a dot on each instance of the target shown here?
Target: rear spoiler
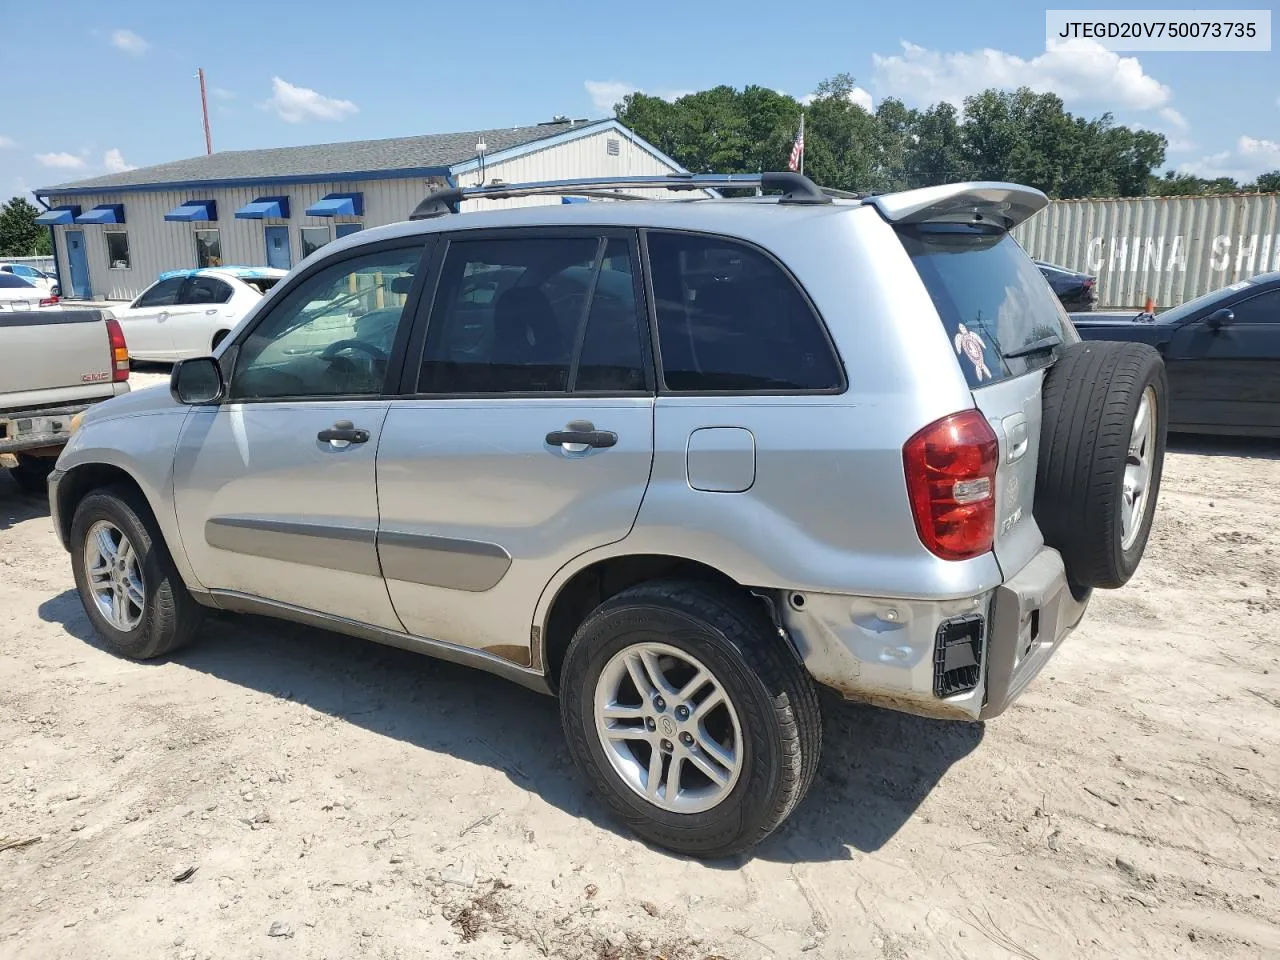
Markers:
(1002, 204)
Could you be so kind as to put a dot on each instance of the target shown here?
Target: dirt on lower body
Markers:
(274, 791)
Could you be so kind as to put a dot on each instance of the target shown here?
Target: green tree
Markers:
(937, 153)
(20, 235)
(1188, 185)
(1266, 182)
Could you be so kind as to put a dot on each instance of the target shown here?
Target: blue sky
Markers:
(113, 85)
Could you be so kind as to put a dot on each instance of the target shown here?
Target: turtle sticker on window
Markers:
(972, 346)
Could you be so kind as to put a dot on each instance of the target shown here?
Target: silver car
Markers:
(682, 463)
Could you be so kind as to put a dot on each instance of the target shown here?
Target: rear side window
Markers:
(206, 290)
(991, 297)
(10, 280)
(731, 320)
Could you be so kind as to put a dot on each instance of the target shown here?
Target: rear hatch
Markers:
(1005, 324)
(52, 357)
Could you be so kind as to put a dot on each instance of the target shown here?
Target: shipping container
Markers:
(1170, 249)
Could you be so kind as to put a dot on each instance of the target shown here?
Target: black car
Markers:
(1222, 352)
(1077, 291)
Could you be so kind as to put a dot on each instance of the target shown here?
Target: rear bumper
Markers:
(42, 427)
(1031, 614)
(886, 651)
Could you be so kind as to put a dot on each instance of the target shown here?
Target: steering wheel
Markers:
(332, 350)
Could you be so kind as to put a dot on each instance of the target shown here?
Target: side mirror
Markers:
(196, 381)
(1219, 319)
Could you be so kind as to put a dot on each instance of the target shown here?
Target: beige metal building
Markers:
(113, 235)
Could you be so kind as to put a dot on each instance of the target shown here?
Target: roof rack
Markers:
(796, 188)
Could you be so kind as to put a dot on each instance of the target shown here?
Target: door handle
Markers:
(162, 315)
(581, 435)
(210, 313)
(343, 434)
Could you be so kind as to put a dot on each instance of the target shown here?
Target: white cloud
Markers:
(7, 142)
(222, 93)
(61, 161)
(1250, 157)
(1079, 71)
(605, 93)
(296, 104)
(1174, 118)
(114, 162)
(857, 96)
(129, 42)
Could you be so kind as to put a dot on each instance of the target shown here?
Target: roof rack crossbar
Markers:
(795, 187)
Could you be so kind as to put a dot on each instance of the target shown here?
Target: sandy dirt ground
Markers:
(274, 792)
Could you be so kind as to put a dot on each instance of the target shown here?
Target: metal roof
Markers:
(439, 150)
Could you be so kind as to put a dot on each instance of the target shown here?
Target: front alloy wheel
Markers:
(115, 576)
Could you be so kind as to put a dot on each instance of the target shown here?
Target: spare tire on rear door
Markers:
(1101, 456)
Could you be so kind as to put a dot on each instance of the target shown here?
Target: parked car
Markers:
(1077, 291)
(19, 293)
(186, 313)
(667, 460)
(1222, 352)
(38, 278)
(54, 364)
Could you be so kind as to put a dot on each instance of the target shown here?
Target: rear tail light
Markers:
(1088, 283)
(119, 351)
(49, 302)
(951, 481)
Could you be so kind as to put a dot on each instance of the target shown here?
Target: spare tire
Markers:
(1102, 444)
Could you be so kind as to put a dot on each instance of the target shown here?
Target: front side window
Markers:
(313, 238)
(332, 334)
(1264, 308)
(206, 290)
(117, 250)
(534, 315)
(162, 294)
(730, 319)
(208, 248)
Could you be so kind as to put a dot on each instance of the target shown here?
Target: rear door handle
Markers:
(343, 434)
(162, 315)
(581, 435)
(211, 312)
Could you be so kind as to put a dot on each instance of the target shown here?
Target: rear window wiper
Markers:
(1036, 346)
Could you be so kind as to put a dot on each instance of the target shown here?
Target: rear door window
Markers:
(991, 297)
(731, 320)
(206, 290)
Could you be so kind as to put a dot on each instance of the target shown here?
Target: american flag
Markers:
(797, 150)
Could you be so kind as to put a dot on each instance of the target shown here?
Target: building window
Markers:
(313, 238)
(208, 248)
(612, 146)
(118, 250)
(341, 230)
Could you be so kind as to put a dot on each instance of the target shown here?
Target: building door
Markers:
(278, 247)
(78, 262)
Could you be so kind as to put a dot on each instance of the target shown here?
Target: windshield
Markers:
(991, 297)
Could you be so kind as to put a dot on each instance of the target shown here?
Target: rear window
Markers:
(991, 297)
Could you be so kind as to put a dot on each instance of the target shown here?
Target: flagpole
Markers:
(802, 143)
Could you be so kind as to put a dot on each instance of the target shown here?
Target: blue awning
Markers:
(575, 199)
(194, 210)
(59, 216)
(338, 205)
(265, 208)
(103, 213)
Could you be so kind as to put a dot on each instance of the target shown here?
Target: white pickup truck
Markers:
(53, 365)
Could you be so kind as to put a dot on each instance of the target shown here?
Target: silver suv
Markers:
(681, 462)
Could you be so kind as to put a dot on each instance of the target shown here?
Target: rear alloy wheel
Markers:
(1102, 445)
(691, 716)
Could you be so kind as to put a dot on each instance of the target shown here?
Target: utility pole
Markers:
(204, 107)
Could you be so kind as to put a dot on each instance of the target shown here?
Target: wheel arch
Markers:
(79, 481)
(579, 589)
